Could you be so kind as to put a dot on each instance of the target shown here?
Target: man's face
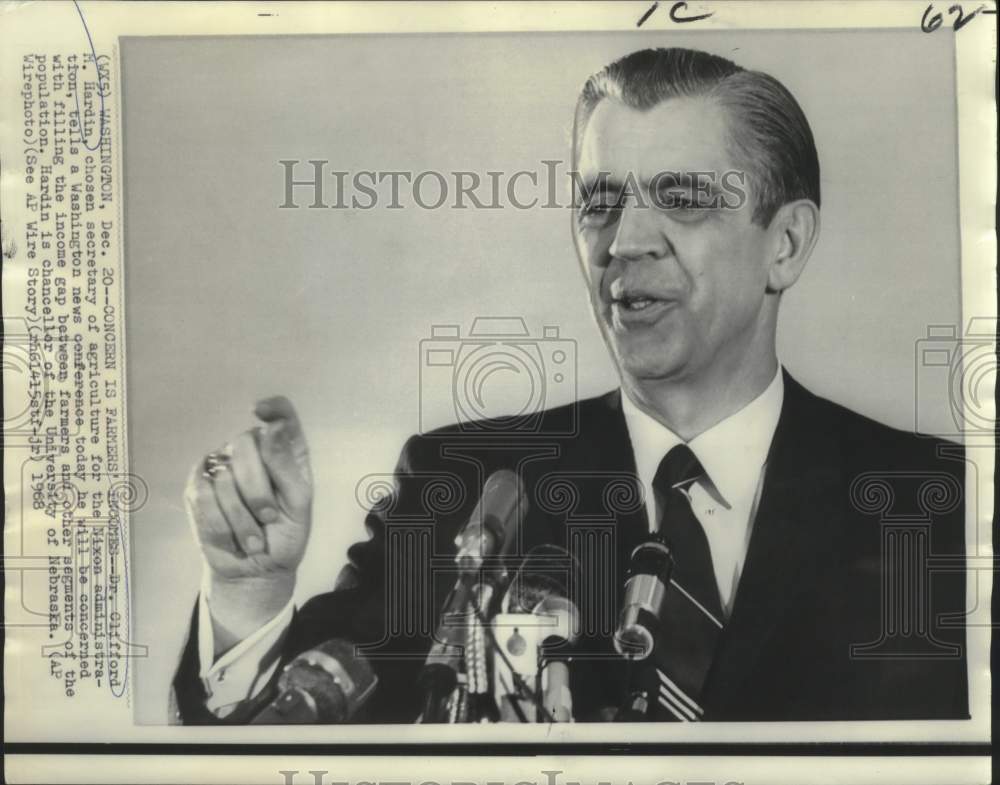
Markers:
(677, 290)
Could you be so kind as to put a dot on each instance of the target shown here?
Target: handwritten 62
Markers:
(931, 21)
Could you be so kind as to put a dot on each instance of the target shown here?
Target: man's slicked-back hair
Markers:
(768, 132)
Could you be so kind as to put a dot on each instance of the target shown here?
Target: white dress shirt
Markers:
(733, 453)
(245, 669)
(724, 500)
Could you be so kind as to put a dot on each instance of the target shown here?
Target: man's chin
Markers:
(646, 355)
(648, 366)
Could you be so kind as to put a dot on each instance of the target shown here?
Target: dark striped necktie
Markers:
(693, 615)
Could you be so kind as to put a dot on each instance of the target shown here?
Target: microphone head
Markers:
(633, 638)
(493, 523)
(333, 677)
(649, 576)
(542, 586)
(547, 570)
(653, 557)
(564, 616)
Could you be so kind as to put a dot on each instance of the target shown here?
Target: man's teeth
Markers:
(637, 304)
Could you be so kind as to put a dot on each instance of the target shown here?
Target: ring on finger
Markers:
(213, 463)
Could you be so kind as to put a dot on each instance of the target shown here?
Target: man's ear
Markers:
(795, 228)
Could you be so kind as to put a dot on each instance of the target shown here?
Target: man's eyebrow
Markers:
(604, 183)
(684, 180)
(601, 183)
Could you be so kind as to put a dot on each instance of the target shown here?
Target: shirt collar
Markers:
(732, 451)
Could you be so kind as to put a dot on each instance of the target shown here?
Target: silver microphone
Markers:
(649, 576)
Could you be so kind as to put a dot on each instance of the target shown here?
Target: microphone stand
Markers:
(642, 691)
(489, 532)
(454, 684)
(524, 692)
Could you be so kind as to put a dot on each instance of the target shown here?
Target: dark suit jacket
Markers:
(850, 605)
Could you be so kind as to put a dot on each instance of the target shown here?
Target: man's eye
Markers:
(599, 211)
(682, 207)
(672, 200)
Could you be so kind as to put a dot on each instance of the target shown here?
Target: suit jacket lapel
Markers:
(792, 529)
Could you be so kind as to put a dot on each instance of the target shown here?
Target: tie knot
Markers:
(678, 466)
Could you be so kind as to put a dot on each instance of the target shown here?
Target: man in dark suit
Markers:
(801, 531)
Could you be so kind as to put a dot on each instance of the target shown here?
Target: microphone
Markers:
(324, 686)
(645, 590)
(490, 529)
(489, 532)
(541, 586)
(556, 695)
(540, 589)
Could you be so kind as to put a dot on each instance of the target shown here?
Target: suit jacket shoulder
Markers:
(888, 472)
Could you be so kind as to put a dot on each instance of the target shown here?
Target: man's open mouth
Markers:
(636, 303)
(638, 310)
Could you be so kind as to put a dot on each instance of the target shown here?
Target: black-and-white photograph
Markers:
(460, 393)
(532, 378)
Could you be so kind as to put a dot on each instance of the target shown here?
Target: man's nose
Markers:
(640, 234)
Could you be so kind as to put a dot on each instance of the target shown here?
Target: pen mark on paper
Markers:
(100, 89)
(648, 14)
(674, 14)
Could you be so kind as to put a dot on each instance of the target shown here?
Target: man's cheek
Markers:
(598, 243)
